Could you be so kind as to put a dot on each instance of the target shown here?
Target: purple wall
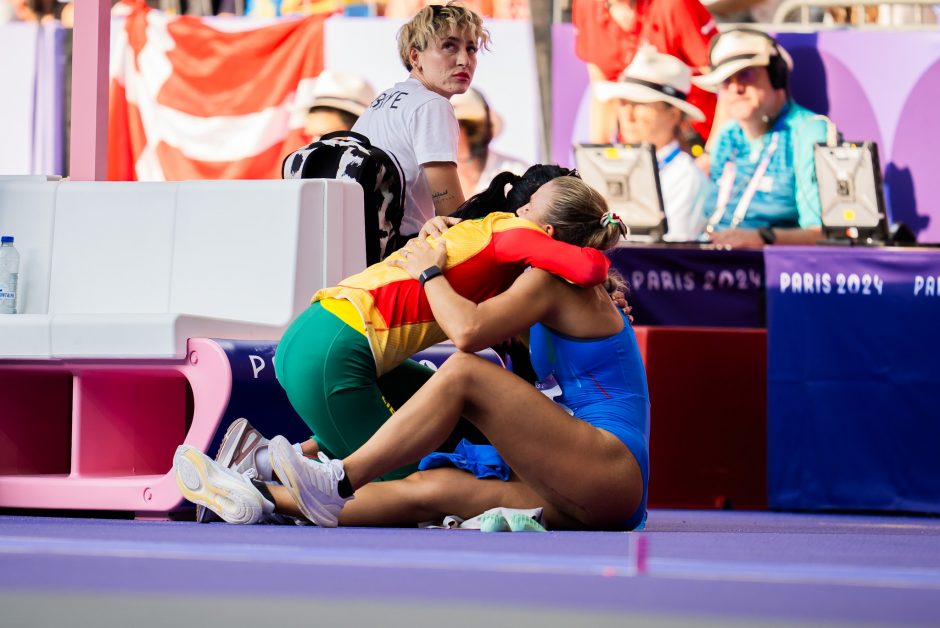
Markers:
(879, 86)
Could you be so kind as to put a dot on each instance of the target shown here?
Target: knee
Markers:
(426, 488)
(460, 366)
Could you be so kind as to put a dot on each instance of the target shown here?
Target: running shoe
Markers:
(312, 484)
(238, 451)
(228, 494)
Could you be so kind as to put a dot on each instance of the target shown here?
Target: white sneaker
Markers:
(230, 495)
(238, 451)
(313, 485)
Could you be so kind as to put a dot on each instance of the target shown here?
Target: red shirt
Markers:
(681, 28)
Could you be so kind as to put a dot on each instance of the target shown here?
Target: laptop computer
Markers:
(628, 178)
(851, 193)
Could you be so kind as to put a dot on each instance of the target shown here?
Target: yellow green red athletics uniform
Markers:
(344, 361)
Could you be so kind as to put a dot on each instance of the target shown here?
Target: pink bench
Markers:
(112, 365)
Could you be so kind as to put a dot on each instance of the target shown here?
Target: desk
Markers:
(853, 378)
(699, 316)
(691, 286)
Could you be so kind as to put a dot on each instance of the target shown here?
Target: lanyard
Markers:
(726, 186)
(668, 158)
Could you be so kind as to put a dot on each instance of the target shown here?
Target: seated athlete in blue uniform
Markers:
(589, 470)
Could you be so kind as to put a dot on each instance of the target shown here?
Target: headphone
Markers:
(777, 68)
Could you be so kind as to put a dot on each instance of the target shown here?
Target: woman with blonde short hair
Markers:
(414, 121)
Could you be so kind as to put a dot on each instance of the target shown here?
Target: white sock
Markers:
(263, 464)
(299, 449)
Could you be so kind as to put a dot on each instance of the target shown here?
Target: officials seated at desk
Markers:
(762, 164)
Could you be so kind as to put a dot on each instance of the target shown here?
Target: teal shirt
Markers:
(788, 194)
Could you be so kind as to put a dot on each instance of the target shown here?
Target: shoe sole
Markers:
(202, 484)
(224, 457)
(282, 461)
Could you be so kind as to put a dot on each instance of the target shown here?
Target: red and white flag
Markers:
(191, 101)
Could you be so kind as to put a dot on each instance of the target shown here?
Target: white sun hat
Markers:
(470, 105)
(734, 50)
(343, 91)
(653, 77)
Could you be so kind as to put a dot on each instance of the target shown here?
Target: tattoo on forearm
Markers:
(439, 196)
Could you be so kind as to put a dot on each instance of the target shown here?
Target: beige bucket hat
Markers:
(653, 77)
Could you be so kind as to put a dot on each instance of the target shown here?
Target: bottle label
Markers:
(8, 294)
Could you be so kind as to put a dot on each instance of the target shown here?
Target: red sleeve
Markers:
(582, 266)
(681, 28)
(695, 29)
(598, 40)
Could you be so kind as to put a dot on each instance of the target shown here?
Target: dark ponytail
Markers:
(492, 199)
(495, 198)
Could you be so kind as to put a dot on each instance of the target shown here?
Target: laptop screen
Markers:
(628, 178)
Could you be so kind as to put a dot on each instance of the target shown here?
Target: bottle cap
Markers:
(6, 239)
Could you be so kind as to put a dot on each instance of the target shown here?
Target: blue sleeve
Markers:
(806, 134)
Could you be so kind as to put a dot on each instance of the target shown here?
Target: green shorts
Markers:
(327, 369)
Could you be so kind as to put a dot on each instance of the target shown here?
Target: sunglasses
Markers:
(747, 76)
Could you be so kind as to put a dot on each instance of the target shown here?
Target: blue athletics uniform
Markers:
(603, 382)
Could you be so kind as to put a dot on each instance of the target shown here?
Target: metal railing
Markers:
(857, 17)
(797, 14)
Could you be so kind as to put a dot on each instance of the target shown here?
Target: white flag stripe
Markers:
(219, 138)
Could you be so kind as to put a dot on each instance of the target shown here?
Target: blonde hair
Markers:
(435, 22)
(575, 210)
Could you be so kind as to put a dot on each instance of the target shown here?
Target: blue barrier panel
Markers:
(258, 397)
(853, 356)
(693, 286)
(256, 393)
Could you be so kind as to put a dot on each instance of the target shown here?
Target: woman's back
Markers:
(578, 312)
(586, 339)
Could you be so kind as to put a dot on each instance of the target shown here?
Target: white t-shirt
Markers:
(417, 126)
(685, 188)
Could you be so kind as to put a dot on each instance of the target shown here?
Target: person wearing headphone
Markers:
(762, 162)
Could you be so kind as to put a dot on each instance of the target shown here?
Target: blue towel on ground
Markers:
(481, 460)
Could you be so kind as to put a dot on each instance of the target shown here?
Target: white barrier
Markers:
(132, 270)
(111, 368)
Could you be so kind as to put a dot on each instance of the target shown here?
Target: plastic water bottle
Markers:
(9, 270)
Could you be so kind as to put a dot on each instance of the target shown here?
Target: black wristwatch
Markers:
(428, 274)
(767, 235)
